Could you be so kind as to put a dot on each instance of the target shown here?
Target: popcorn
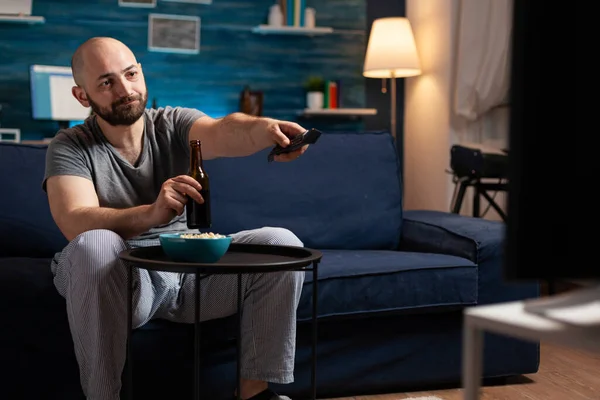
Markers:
(208, 235)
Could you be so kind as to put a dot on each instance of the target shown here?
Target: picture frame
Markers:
(10, 135)
(170, 33)
(138, 3)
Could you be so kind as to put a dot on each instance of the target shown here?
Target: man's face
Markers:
(123, 111)
(115, 88)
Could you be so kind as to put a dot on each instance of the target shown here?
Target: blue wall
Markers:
(231, 56)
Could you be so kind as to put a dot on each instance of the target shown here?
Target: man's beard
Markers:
(119, 114)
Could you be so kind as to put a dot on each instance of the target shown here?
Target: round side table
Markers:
(239, 259)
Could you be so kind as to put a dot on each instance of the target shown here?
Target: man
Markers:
(119, 179)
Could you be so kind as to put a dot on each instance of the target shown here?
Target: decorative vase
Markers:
(275, 15)
(309, 17)
(314, 100)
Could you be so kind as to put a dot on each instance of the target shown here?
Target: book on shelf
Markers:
(331, 94)
(293, 12)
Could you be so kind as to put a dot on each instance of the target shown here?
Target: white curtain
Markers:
(482, 74)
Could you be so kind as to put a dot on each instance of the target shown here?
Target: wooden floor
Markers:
(564, 374)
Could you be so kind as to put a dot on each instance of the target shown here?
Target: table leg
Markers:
(476, 200)
(129, 360)
(197, 337)
(239, 339)
(472, 360)
(314, 333)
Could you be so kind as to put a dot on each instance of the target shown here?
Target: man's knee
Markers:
(95, 250)
(269, 235)
(98, 240)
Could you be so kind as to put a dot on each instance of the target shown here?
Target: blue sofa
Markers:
(392, 283)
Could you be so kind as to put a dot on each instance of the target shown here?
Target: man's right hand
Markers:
(173, 196)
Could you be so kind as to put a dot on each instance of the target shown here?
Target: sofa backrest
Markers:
(26, 225)
(343, 193)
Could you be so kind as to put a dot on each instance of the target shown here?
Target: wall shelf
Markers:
(338, 112)
(22, 19)
(37, 142)
(291, 30)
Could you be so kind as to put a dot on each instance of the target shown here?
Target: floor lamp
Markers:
(391, 53)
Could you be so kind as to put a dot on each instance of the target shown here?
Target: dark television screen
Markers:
(550, 200)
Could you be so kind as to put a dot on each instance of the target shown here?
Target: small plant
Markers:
(314, 84)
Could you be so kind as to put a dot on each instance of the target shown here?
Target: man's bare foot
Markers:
(251, 388)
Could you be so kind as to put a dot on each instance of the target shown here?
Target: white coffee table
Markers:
(545, 323)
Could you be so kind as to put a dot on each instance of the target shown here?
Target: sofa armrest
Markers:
(475, 239)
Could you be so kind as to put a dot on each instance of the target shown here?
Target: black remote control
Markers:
(296, 142)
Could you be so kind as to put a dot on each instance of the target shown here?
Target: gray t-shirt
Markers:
(84, 151)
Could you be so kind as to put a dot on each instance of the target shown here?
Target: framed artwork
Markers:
(10, 135)
(169, 33)
(137, 3)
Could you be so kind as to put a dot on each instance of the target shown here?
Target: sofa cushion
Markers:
(26, 225)
(351, 283)
(343, 193)
(354, 283)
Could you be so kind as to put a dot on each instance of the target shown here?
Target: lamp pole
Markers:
(393, 104)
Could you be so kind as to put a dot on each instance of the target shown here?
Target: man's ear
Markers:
(80, 95)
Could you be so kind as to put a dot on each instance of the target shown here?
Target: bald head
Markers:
(98, 51)
(109, 79)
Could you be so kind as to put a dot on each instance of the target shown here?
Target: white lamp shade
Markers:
(391, 48)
